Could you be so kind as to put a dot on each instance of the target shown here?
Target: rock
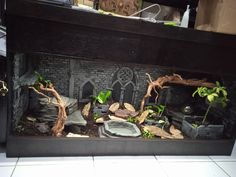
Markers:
(157, 131)
(121, 128)
(176, 134)
(48, 111)
(86, 109)
(76, 118)
(116, 118)
(76, 135)
(143, 116)
(42, 127)
(73, 129)
(134, 114)
(114, 107)
(100, 120)
(125, 113)
(69, 102)
(122, 113)
(129, 107)
(174, 131)
(100, 109)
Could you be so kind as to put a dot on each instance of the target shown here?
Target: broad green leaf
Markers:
(108, 94)
(210, 98)
(224, 92)
(100, 100)
(215, 94)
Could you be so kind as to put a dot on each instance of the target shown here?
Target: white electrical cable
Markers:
(153, 5)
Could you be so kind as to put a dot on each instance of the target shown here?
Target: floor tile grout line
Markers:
(220, 167)
(155, 157)
(15, 167)
(161, 166)
(93, 162)
(222, 160)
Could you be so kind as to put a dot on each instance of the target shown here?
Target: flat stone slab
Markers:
(48, 112)
(124, 113)
(75, 118)
(120, 128)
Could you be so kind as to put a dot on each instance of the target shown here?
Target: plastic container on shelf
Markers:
(185, 18)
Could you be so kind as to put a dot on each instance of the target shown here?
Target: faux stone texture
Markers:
(76, 118)
(120, 128)
(48, 112)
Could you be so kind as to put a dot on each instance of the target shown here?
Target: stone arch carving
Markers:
(116, 90)
(87, 89)
(129, 92)
(124, 85)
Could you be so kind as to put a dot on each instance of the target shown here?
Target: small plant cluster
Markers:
(156, 110)
(155, 113)
(147, 134)
(40, 80)
(96, 116)
(214, 96)
(132, 119)
(102, 97)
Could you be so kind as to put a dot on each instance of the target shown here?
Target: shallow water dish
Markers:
(119, 128)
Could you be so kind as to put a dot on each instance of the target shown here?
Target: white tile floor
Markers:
(120, 166)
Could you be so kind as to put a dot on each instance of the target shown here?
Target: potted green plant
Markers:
(100, 102)
(199, 127)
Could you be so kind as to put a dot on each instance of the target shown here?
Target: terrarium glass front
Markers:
(82, 86)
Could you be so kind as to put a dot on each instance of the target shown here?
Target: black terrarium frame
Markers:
(96, 39)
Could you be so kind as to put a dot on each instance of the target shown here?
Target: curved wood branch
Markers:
(61, 116)
(40, 93)
(3, 88)
(161, 83)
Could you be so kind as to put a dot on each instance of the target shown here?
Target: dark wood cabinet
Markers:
(39, 28)
(42, 28)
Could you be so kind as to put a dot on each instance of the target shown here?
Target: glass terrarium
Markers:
(90, 84)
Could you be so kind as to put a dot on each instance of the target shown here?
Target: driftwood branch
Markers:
(61, 116)
(3, 88)
(161, 83)
(40, 93)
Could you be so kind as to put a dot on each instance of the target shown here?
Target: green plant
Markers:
(40, 80)
(215, 96)
(96, 116)
(102, 97)
(132, 119)
(159, 109)
(147, 134)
